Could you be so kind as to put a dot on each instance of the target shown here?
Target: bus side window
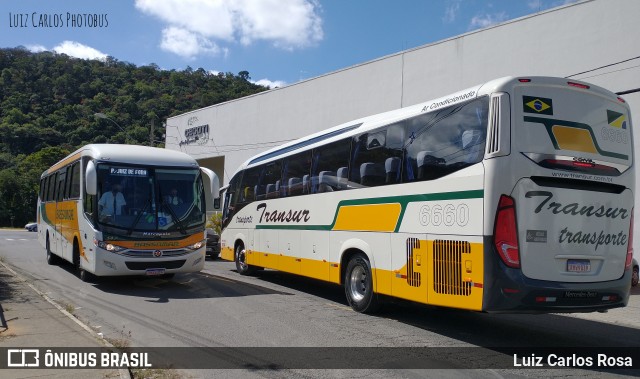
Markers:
(75, 181)
(43, 189)
(51, 192)
(60, 186)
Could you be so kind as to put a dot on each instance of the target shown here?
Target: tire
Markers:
(358, 285)
(83, 274)
(241, 262)
(634, 276)
(52, 259)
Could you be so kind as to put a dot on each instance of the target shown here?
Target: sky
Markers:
(279, 42)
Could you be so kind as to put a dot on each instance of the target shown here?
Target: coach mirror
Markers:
(91, 179)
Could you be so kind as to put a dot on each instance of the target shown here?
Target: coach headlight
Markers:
(109, 246)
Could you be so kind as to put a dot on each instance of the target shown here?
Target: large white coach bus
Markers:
(125, 210)
(512, 196)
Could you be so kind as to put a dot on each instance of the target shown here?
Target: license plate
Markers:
(578, 265)
(154, 271)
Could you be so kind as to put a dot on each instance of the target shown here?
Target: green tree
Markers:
(48, 102)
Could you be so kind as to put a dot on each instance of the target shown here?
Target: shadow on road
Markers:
(498, 332)
(181, 286)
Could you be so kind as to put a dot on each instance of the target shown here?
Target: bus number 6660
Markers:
(448, 215)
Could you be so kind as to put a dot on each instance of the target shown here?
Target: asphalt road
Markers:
(219, 308)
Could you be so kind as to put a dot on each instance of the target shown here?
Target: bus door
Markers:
(62, 245)
(573, 207)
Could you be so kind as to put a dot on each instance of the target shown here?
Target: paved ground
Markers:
(29, 320)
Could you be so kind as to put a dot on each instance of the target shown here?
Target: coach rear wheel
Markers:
(242, 266)
(358, 285)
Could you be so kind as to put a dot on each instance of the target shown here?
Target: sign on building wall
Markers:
(195, 133)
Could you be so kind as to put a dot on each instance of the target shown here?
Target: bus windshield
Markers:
(135, 198)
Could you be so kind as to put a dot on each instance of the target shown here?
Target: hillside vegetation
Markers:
(48, 104)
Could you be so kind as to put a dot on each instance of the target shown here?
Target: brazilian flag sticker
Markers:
(617, 120)
(539, 105)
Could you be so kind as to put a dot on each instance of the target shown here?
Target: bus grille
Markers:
(413, 278)
(149, 253)
(448, 267)
(148, 265)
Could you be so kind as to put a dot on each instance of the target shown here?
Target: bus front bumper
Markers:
(112, 264)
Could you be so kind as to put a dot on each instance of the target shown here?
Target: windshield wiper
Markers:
(164, 205)
(137, 219)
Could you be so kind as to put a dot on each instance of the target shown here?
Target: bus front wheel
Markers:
(83, 274)
(52, 259)
(358, 285)
(242, 266)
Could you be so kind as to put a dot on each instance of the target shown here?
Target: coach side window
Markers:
(231, 198)
(271, 179)
(295, 174)
(377, 156)
(328, 163)
(446, 140)
(250, 189)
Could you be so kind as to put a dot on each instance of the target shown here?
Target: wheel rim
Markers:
(242, 260)
(358, 283)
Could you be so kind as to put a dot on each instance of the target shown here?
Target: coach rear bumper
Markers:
(508, 290)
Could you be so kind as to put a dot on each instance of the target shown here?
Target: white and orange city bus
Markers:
(512, 196)
(125, 210)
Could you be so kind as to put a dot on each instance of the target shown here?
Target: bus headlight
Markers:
(109, 246)
(197, 245)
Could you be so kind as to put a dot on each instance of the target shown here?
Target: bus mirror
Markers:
(212, 184)
(91, 179)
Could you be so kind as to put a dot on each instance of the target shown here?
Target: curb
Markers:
(124, 373)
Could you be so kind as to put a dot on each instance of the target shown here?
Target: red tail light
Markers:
(505, 235)
(627, 262)
(579, 85)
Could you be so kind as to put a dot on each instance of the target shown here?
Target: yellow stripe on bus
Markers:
(574, 139)
(369, 218)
